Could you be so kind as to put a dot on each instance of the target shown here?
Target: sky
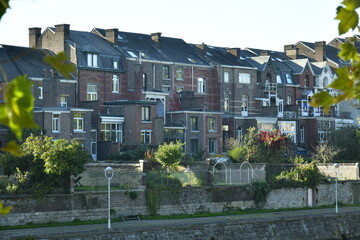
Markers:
(264, 24)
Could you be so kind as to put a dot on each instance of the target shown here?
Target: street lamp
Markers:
(109, 173)
(336, 170)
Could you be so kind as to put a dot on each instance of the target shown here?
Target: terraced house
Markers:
(133, 88)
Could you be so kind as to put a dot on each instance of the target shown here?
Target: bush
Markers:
(169, 155)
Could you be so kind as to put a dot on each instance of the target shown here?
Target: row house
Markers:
(55, 110)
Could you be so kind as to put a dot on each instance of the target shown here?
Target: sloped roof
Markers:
(318, 67)
(271, 53)
(25, 60)
(259, 62)
(298, 65)
(167, 49)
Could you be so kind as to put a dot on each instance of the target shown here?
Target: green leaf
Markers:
(4, 211)
(351, 4)
(16, 112)
(322, 99)
(348, 52)
(348, 19)
(342, 82)
(4, 5)
(13, 148)
(61, 63)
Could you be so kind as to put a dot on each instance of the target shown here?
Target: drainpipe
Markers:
(192, 78)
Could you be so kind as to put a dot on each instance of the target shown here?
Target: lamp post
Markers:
(336, 170)
(109, 173)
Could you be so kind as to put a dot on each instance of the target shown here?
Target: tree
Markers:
(169, 155)
(347, 139)
(325, 152)
(348, 81)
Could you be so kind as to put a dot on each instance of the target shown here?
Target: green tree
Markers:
(169, 155)
(348, 81)
(348, 140)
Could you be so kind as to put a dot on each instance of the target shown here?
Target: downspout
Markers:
(104, 86)
(192, 78)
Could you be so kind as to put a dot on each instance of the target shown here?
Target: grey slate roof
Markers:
(22, 60)
(167, 49)
(271, 53)
(259, 62)
(87, 42)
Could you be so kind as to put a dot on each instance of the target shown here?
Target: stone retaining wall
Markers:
(189, 200)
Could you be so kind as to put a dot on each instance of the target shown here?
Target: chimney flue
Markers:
(156, 36)
(112, 35)
(34, 35)
(319, 51)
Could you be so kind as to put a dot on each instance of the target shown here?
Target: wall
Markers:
(188, 200)
(346, 170)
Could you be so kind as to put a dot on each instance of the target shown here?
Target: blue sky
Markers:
(266, 24)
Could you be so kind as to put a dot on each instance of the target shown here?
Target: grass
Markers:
(179, 216)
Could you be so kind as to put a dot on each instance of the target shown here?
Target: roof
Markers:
(127, 102)
(273, 54)
(22, 60)
(299, 65)
(259, 62)
(132, 45)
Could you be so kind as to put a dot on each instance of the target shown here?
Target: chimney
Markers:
(351, 40)
(62, 33)
(34, 35)
(291, 51)
(234, 51)
(319, 51)
(156, 36)
(264, 53)
(112, 35)
(202, 49)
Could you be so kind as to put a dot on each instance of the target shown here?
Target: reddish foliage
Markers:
(274, 139)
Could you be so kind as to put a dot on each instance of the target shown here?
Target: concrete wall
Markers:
(188, 200)
(346, 171)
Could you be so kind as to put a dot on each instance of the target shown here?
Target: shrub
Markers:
(325, 152)
(169, 155)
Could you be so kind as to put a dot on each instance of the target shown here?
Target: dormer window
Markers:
(131, 53)
(92, 60)
(115, 64)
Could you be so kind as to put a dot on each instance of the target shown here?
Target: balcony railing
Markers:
(315, 112)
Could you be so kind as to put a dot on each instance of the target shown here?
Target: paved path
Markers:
(146, 225)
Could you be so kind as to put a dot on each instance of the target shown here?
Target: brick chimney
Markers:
(34, 35)
(291, 51)
(319, 51)
(112, 35)
(62, 33)
(234, 51)
(156, 36)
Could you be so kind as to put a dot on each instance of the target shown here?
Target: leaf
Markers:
(4, 5)
(348, 52)
(16, 112)
(322, 99)
(342, 82)
(4, 211)
(351, 4)
(348, 19)
(61, 63)
(13, 148)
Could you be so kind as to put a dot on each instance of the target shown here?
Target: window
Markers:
(64, 100)
(144, 76)
(306, 81)
(226, 77)
(325, 82)
(244, 78)
(145, 113)
(131, 53)
(240, 134)
(194, 124)
(92, 92)
(165, 88)
(56, 122)
(165, 72)
(179, 88)
(115, 84)
(40, 93)
(78, 122)
(111, 132)
(212, 124)
(226, 102)
(212, 145)
(288, 128)
(146, 136)
(325, 127)
(245, 103)
(278, 79)
(92, 60)
(288, 100)
(288, 78)
(194, 144)
(115, 64)
(179, 73)
(302, 134)
(201, 85)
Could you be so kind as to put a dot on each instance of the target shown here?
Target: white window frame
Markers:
(166, 72)
(116, 64)
(244, 105)
(115, 84)
(92, 60)
(56, 122)
(245, 78)
(212, 145)
(289, 100)
(110, 129)
(41, 92)
(91, 95)
(240, 133)
(201, 85)
(194, 125)
(78, 122)
(226, 77)
(146, 113)
(179, 73)
(302, 134)
(146, 136)
(288, 128)
(226, 102)
(64, 99)
(212, 124)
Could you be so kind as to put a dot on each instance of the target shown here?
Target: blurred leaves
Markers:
(61, 64)
(4, 210)
(4, 5)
